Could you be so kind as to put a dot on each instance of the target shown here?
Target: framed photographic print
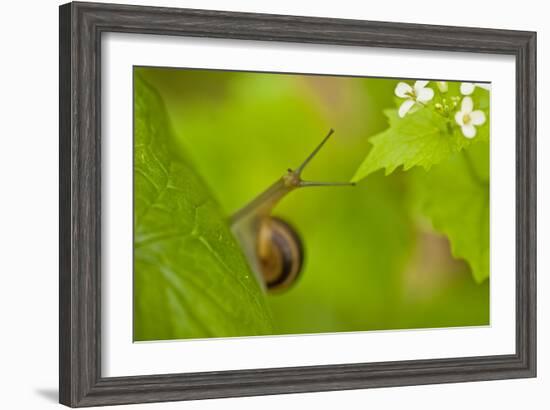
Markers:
(262, 204)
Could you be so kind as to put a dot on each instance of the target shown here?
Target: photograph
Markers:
(270, 204)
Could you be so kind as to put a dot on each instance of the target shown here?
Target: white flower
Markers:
(468, 88)
(418, 93)
(442, 85)
(468, 119)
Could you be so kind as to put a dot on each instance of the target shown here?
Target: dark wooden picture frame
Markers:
(81, 28)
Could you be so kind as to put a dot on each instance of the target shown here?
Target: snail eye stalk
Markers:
(315, 151)
(315, 183)
(299, 170)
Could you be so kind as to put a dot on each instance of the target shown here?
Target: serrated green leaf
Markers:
(454, 195)
(423, 138)
(190, 277)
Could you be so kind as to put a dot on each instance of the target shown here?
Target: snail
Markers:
(272, 246)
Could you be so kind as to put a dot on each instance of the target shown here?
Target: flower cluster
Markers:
(419, 95)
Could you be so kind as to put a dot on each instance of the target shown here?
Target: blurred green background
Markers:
(371, 261)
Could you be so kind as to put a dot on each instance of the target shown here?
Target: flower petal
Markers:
(443, 86)
(467, 105)
(467, 88)
(477, 117)
(424, 94)
(405, 107)
(403, 90)
(485, 86)
(419, 85)
(469, 131)
(459, 118)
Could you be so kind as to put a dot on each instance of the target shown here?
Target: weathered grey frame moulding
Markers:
(81, 27)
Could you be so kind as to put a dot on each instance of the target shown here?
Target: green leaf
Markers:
(423, 138)
(190, 277)
(454, 195)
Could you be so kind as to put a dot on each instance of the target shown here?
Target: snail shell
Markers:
(280, 253)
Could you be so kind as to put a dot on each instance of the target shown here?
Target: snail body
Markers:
(271, 245)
